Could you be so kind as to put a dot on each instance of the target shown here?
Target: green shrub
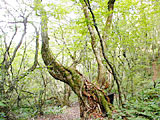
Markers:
(144, 106)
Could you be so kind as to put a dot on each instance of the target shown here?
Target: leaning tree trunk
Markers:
(92, 99)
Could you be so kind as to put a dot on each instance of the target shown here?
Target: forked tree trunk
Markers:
(92, 99)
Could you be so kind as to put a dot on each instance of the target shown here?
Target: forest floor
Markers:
(71, 113)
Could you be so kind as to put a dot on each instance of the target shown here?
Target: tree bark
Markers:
(101, 79)
(108, 23)
(92, 99)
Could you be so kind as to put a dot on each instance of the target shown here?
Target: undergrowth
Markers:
(144, 106)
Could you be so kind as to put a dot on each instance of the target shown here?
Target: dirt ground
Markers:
(71, 113)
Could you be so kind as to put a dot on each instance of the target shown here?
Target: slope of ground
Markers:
(71, 113)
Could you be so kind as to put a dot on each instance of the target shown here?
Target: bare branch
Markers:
(23, 57)
(20, 42)
(35, 57)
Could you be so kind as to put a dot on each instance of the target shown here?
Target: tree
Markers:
(94, 47)
(10, 74)
(92, 98)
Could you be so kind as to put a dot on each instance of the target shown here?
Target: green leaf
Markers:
(2, 104)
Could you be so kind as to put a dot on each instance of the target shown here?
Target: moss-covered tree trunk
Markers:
(94, 103)
(92, 99)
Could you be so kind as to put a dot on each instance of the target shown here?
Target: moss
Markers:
(105, 104)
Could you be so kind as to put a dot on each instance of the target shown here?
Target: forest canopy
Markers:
(103, 55)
